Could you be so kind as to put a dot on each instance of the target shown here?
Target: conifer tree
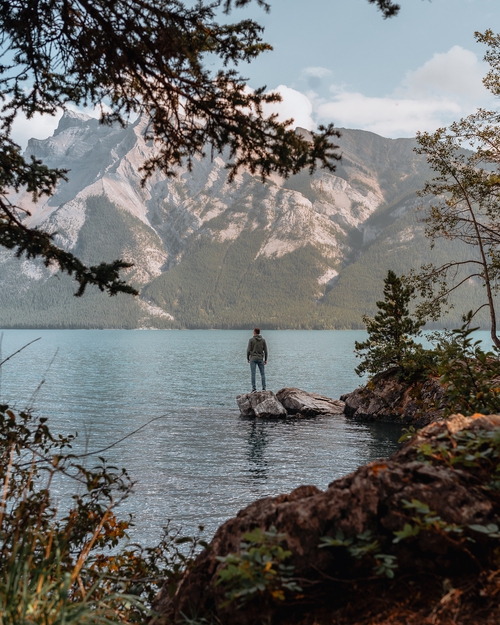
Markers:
(139, 56)
(390, 333)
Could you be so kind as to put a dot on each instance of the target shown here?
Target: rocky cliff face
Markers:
(204, 250)
(408, 540)
(387, 399)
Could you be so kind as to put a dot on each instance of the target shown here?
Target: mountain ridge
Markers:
(211, 254)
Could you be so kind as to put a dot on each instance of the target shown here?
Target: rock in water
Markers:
(260, 404)
(388, 399)
(306, 404)
(427, 517)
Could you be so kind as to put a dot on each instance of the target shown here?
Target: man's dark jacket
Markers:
(257, 348)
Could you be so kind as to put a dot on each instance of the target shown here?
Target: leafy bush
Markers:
(361, 546)
(69, 565)
(470, 374)
(423, 519)
(259, 568)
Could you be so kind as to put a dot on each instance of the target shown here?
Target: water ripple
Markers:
(201, 462)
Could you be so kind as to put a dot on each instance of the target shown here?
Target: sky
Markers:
(339, 61)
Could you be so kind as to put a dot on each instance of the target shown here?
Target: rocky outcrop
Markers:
(302, 404)
(397, 541)
(387, 399)
(288, 402)
(211, 236)
(260, 404)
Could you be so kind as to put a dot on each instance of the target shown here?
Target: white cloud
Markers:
(38, 127)
(294, 105)
(317, 72)
(448, 86)
(445, 88)
(43, 126)
(389, 117)
(457, 71)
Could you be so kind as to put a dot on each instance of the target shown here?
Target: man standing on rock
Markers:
(257, 357)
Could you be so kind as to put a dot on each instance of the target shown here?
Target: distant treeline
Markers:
(228, 285)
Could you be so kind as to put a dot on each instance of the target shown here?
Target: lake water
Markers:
(199, 461)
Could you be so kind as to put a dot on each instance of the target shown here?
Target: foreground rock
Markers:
(301, 403)
(260, 404)
(387, 399)
(428, 517)
(287, 402)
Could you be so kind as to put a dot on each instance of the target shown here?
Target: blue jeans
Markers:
(260, 364)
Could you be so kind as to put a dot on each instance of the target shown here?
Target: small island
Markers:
(287, 402)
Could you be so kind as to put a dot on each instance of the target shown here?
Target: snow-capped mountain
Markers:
(208, 253)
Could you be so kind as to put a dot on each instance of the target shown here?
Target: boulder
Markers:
(406, 541)
(260, 404)
(297, 402)
(387, 399)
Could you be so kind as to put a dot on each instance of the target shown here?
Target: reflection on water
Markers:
(257, 440)
(382, 438)
(200, 462)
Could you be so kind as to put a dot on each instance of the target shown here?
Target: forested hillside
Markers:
(307, 252)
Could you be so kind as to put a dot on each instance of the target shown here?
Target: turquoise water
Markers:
(199, 462)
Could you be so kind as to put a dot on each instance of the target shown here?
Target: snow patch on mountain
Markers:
(154, 311)
(32, 270)
(338, 198)
(234, 230)
(65, 222)
(161, 221)
(328, 276)
(406, 235)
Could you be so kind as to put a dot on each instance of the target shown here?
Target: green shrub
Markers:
(70, 565)
(259, 568)
(470, 374)
(364, 545)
